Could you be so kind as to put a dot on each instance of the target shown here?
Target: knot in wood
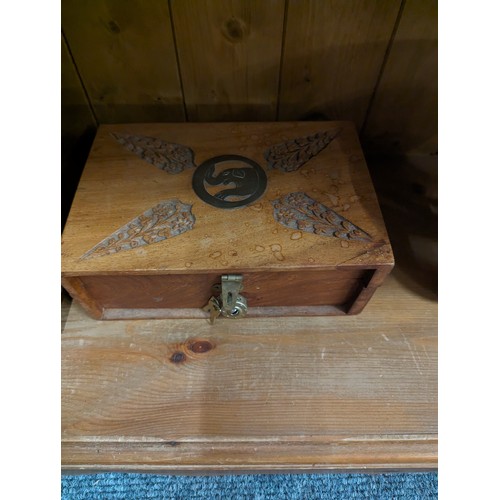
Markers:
(234, 30)
(178, 357)
(113, 27)
(200, 346)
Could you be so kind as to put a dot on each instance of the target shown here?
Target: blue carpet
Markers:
(394, 486)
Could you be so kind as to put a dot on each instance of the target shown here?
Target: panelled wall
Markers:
(373, 62)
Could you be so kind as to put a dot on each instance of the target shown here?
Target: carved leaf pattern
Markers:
(291, 155)
(168, 156)
(165, 220)
(299, 211)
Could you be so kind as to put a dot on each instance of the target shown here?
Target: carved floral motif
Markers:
(299, 211)
(291, 155)
(168, 156)
(165, 220)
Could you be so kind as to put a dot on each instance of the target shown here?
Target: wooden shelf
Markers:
(262, 394)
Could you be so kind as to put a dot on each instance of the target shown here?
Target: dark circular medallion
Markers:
(246, 183)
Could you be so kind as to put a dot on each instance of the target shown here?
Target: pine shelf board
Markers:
(254, 395)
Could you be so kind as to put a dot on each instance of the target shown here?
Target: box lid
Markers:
(228, 197)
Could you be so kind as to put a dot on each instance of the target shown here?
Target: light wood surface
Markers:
(404, 114)
(333, 52)
(126, 56)
(350, 393)
(229, 56)
(117, 186)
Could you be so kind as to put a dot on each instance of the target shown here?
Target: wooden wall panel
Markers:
(403, 117)
(332, 57)
(126, 56)
(78, 126)
(76, 115)
(256, 60)
(229, 55)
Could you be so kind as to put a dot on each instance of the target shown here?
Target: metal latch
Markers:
(230, 303)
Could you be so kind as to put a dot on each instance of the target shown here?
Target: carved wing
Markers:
(291, 155)
(299, 211)
(168, 156)
(165, 220)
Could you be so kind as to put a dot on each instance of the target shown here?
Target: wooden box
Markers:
(164, 211)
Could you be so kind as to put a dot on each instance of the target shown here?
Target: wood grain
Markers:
(194, 290)
(246, 239)
(313, 293)
(229, 56)
(404, 114)
(366, 288)
(76, 114)
(352, 393)
(77, 290)
(125, 54)
(78, 127)
(260, 60)
(197, 313)
(333, 52)
(317, 261)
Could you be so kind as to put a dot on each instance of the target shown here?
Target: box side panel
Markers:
(367, 288)
(79, 292)
(292, 289)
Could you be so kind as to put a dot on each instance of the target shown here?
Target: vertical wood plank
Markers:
(78, 127)
(229, 56)
(332, 57)
(125, 54)
(76, 115)
(403, 117)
